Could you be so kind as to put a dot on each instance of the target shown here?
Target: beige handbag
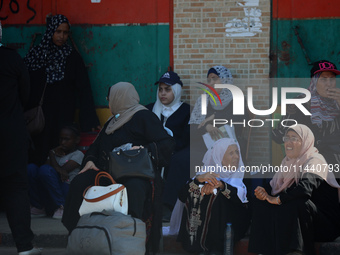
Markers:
(110, 198)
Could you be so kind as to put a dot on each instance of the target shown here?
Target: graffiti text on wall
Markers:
(15, 8)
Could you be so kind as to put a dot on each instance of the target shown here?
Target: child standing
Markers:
(49, 183)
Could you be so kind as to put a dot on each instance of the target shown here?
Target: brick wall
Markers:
(200, 41)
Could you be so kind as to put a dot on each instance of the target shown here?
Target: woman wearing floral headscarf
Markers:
(215, 197)
(301, 203)
(201, 124)
(55, 63)
(325, 109)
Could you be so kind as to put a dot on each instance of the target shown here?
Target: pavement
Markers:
(51, 236)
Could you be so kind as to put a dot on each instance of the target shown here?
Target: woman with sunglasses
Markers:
(300, 205)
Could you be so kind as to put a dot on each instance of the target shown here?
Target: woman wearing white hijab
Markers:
(213, 199)
(174, 116)
(300, 204)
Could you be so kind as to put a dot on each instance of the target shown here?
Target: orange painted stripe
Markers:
(302, 9)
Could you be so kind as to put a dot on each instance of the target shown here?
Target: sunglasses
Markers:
(292, 139)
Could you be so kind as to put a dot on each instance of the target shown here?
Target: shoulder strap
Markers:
(42, 97)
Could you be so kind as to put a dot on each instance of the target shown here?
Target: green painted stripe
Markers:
(320, 38)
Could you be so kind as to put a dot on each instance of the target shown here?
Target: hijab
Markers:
(307, 160)
(322, 109)
(167, 110)
(226, 78)
(49, 55)
(124, 103)
(214, 157)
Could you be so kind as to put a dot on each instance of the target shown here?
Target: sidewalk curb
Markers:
(169, 242)
(42, 240)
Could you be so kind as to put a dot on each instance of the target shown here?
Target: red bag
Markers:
(86, 139)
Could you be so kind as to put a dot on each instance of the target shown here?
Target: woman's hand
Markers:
(214, 132)
(210, 178)
(210, 118)
(137, 147)
(261, 193)
(334, 93)
(89, 165)
(208, 189)
(273, 200)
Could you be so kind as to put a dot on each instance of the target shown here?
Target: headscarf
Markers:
(124, 103)
(49, 55)
(167, 110)
(307, 161)
(322, 109)
(225, 95)
(214, 157)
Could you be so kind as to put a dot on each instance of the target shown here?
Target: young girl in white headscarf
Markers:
(301, 203)
(174, 116)
(215, 197)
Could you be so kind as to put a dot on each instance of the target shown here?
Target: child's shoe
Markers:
(35, 212)
(58, 214)
(34, 251)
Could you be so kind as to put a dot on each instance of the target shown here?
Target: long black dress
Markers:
(14, 92)
(309, 213)
(205, 217)
(178, 171)
(144, 129)
(60, 102)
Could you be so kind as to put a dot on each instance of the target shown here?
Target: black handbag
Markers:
(131, 163)
(34, 118)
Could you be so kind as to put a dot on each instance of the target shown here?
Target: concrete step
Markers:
(171, 245)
